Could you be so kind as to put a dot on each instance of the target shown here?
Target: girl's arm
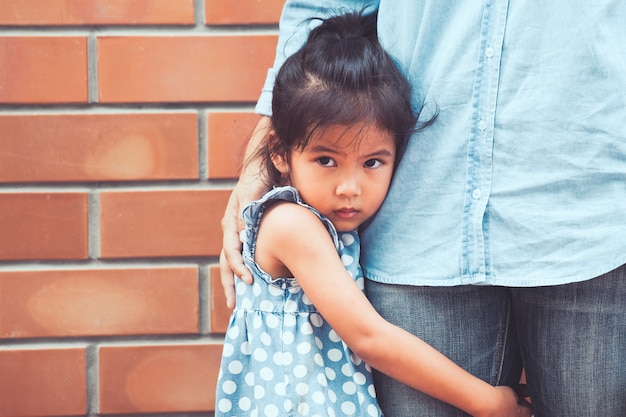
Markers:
(292, 238)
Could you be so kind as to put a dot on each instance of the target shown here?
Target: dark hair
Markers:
(341, 76)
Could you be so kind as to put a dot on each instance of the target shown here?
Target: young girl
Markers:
(303, 336)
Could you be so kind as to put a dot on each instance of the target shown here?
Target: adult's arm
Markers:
(295, 22)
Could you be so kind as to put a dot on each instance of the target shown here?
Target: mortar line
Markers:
(203, 146)
(94, 225)
(92, 68)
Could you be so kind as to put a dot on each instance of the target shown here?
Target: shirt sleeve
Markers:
(296, 20)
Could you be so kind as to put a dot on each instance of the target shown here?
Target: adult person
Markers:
(502, 236)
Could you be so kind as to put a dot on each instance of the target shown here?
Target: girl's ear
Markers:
(278, 159)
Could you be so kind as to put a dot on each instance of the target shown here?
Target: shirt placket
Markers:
(475, 250)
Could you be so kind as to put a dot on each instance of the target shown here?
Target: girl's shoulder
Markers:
(282, 208)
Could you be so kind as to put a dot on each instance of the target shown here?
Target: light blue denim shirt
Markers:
(522, 179)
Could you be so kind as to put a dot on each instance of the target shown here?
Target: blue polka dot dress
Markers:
(280, 356)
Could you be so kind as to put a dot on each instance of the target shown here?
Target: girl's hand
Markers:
(506, 404)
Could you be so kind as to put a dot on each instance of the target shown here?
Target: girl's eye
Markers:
(372, 163)
(326, 161)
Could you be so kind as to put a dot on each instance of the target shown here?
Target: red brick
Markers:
(161, 223)
(154, 379)
(98, 147)
(43, 382)
(43, 226)
(98, 302)
(44, 70)
(228, 134)
(218, 311)
(183, 68)
(224, 12)
(118, 12)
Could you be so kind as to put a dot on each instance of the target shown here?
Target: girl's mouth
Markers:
(346, 213)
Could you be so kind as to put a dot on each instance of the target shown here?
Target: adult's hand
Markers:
(251, 186)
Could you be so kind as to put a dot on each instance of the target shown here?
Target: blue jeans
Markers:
(572, 339)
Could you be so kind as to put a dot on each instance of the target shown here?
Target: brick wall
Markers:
(122, 124)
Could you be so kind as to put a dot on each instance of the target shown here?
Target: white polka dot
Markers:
(288, 405)
(280, 389)
(257, 322)
(359, 378)
(302, 389)
(332, 396)
(319, 361)
(245, 348)
(347, 260)
(318, 343)
(360, 282)
(233, 332)
(235, 367)
(348, 408)
(290, 306)
(266, 339)
(295, 289)
(372, 410)
(245, 403)
(318, 398)
(347, 239)
(347, 370)
(303, 409)
(316, 320)
(267, 374)
(331, 412)
(335, 355)
(271, 411)
(228, 350)
(260, 355)
(306, 300)
(259, 392)
(278, 358)
(229, 387)
(306, 328)
(254, 413)
(361, 397)
(274, 290)
(272, 321)
(321, 379)
(289, 320)
(287, 338)
(330, 374)
(266, 305)
(225, 405)
(241, 287)
(371, 390)
(355, 359)
(256, 289)
(332, 335)
(287, 358)
(300, 371)
(349, 388)
(245, 304)
(249, 378)
(304, 348)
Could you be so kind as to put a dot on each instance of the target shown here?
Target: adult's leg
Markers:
(573, 341)
(469, 324)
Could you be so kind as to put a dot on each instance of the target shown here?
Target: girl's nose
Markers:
(348, 187)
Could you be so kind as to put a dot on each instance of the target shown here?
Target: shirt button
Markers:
(476, 194)
(482, 124)
(489, 52)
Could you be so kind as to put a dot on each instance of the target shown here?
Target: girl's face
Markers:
(343, 172)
